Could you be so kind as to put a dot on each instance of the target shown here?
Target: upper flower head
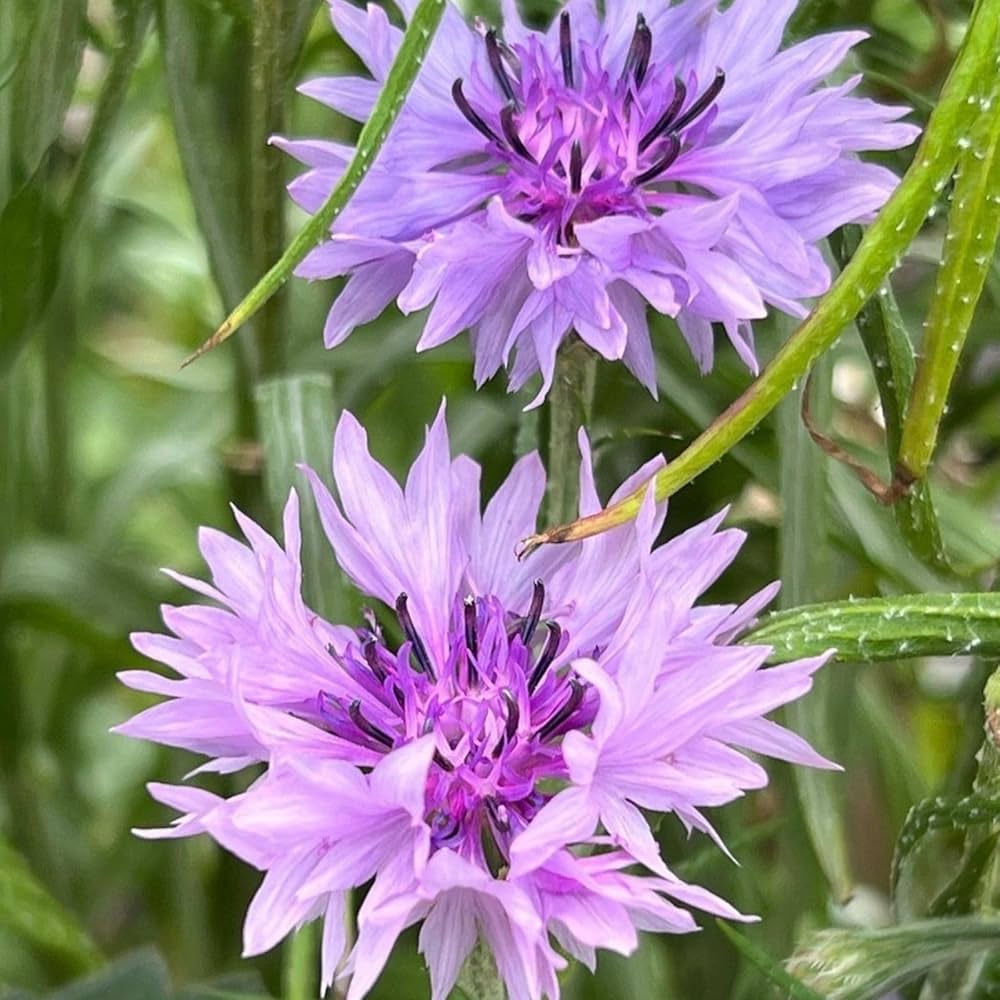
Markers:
(459, 741)
(538, 183)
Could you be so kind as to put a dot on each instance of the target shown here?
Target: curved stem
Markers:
(569, 404)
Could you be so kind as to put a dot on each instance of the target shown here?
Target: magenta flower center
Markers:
(496, 707)
(575, 145)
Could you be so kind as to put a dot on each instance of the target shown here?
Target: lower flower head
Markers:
(482, 747)
(538, 183)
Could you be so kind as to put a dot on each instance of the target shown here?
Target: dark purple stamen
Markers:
(566, 48)
(366, 727)
(471, 638)
(673, 148)
(513, 714)
(637, 60)
(548, 655)
(495, 56)
(470, 113)
(445, 765)
(370, 652)
(534, 612)
(576, 168)
(568, 707)
(701, 105)
(410, 631)
(510, 132)
(664, 121)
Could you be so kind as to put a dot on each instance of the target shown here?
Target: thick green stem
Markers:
(569, 404)
(960, 106)
(301, 960)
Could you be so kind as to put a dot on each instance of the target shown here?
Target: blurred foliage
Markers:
(138, 202)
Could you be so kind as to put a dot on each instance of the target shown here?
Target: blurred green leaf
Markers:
(804, 556)
(41, 44)
(864, 965)
(28, 276)
(63, 584)
(28, 909)
(206, 57)
(296, 416)
(885, 628)
(139, 974)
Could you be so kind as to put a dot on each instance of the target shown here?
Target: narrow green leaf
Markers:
(770, 967)
(885, 628)
(405, 67)
(940, 814)
(973, 228)
(296, 417)
(864, 965)
(957, 897)
(27, 909)
(804, 554)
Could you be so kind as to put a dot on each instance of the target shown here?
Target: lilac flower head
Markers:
(481, 747)
(539, 183)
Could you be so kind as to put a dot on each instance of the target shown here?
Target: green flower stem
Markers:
(301, 960)
(973, 227)
(391, 98)
(569, 404)
(970, 82)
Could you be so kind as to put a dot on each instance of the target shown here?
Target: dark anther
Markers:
(370, 651)
(566, 48)
(534, 612)
(495, 55)
(366, 727)
(471, 638)
(665, 120)
(471, 115)
(410, 631)
(548, 655)
(513, 714)
(445, 765)
(498, 820)
(673, 148)
(637, 60)
(576, 168)
(568, 707)
(510, 132)
(712, 91)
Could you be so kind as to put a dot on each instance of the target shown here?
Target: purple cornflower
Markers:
(540, 183)
(481, 746)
